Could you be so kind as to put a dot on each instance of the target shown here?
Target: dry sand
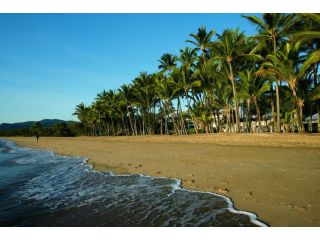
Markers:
(276, 176)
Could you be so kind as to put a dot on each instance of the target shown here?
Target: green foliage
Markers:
(58, 130)
(219, 81)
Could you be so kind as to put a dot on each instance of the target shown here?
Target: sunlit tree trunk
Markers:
(278, 107)
(258, 113)
(183, 128)
(299, 110)
(234, 90)
(228, 119)
(161, 121)
(130, 120)
(190, 112)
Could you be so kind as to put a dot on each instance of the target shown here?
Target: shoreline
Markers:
(280, 168)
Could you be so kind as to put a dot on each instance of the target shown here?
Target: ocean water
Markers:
(39, 188)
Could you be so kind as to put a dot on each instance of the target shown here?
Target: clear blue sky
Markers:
(49, 63)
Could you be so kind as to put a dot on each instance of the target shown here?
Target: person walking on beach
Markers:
(37, 136)
(37, 129)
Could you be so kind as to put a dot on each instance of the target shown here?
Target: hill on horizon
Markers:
(28, 124)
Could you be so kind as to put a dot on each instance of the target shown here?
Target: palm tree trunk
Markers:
(113, 127)
(310, 120)
(125, 129)
(215, 120)
(104, 126)
(299, 110)
(277, 89)
(301, 118)
(273, 116)
(140, 125)
(183, 127)
(165, 118)
(278, 107)
(108, 130)
(248, 116)
(218, 120)
(150, 121)
(175, 125)
(99, 132)
(190, 112)
(207, 128)
(160, 119)
(234, 90)
(315, 72)
(130, 121)
(143, 132)
(173, 118)
(154, 121)
(166, 125)
(234, 128)
(258, 114)
(318, 111)
(135, 123)
(228, 119)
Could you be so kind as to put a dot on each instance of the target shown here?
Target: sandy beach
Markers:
(276, 176)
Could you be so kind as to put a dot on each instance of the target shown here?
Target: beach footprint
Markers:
(297, 208)
(251, 193)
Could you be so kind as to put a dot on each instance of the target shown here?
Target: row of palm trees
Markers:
(225, 82)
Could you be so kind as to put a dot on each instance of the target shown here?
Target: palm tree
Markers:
(183, 76)
(227, 74)
(81, 112)
(202, 41)
(227, 51)
(167, 62)
(101, 115)
(273, 28)
(310, 27)
(310, 34)
(252, 87)
(188, 57)
(166, 89)
(222, 96)
(125, 92)
(144, 96)
(285, 65)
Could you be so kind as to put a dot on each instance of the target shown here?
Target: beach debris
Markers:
(221, 190)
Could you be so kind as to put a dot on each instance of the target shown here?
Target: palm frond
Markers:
(313, 58)
(256, 20)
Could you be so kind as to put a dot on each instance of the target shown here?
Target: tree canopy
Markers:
(222, 82)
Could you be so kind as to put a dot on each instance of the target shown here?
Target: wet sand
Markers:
(276, 176)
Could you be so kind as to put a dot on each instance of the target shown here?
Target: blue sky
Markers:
(49, 63)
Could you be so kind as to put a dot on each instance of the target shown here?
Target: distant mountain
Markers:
(44, 123)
